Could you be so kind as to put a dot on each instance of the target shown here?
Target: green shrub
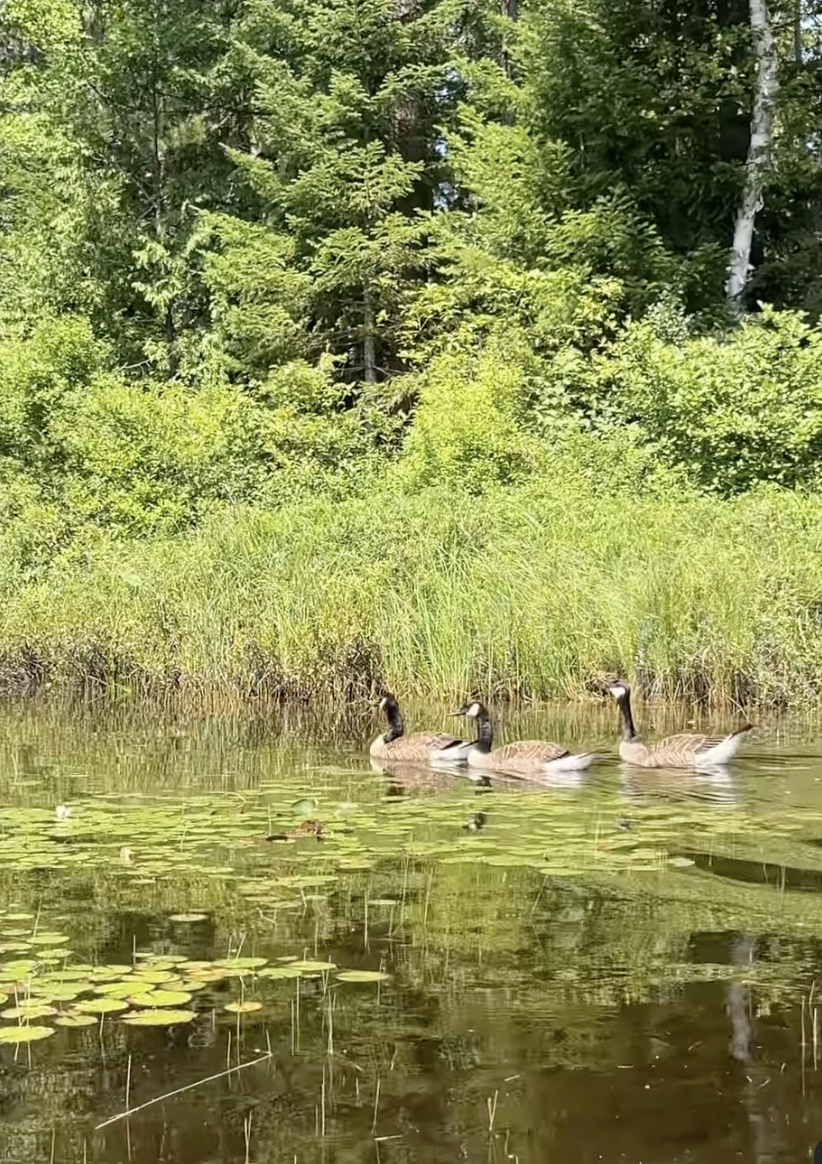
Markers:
(151, 457)
(61, 356)
(732, 412)
(471, 422)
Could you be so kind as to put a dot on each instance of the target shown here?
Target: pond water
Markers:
(623, 968)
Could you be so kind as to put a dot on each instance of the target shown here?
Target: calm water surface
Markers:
(626, 968)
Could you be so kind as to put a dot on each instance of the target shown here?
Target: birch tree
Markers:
(759, 152)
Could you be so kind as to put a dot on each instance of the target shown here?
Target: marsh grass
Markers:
(536, 592)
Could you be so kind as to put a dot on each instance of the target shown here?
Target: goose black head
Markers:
(473, 710)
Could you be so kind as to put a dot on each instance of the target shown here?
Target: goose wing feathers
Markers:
(685, 747)
(420, 745)
(527, 754)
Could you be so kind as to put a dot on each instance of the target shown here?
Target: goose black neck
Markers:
(394, 716)
(628, 729)
(485, 733)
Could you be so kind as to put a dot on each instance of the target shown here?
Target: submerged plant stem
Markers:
(179, 1091)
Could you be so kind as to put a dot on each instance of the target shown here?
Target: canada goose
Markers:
(422, 747)
(523, 757)
(680, 751)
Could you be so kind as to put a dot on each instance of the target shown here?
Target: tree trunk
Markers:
(759, 152)
(369, 354)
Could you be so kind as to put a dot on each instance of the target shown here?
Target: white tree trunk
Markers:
(759, 151)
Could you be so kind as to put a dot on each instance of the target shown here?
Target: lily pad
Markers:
(16, 971)
(25, 1034)
(362, 976)
(102, 1005)
(158, 1018)
(241, 963)
(243, 1007)
(280, 972)
(161, 998)
(46, 992)
(28, 1010)
(309, 967)
(155, 976)
(76, 1020)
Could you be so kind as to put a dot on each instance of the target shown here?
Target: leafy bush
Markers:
(470, 425)
(732, 412)
(60, 357)
(151, 457)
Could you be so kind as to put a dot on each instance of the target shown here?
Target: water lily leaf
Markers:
(151, 975)
(305, 808)
(243, 1007)
(16, 971)
(76, 1020)
(49, 993)
(680, 862)
(280, 972)
(308, 967)
(241, 963)
(53, 954)
(48, 939)
(362, 976)
(28, 1010)
(161, 998)
(102, 1005)
(117, 989)
(214, 975)
(158, 1018)
(24, 1034)
(65, 974)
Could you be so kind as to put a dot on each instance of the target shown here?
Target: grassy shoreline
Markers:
(534, 592)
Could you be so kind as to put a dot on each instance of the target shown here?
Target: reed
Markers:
(535, 591)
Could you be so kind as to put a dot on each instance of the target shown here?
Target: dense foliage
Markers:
(361, 248)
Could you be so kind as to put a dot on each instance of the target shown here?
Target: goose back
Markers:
(684, 750)
(421, 747)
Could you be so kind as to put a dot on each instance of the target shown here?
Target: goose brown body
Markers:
(684, 750)
(521, 757)
(419, 748)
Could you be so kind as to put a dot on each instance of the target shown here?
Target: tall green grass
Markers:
(539, 590)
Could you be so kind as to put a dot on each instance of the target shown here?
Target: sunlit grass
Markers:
(535, 592)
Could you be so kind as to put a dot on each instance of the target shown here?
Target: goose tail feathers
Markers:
(720, 753)
(570, 762)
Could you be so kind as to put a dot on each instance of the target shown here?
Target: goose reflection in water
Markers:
(710, 786)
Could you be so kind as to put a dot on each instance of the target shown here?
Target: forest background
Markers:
(347, 343)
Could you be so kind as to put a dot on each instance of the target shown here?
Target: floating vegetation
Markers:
(75, 1020)
(163, 998)
(362, 976)
(24, 1034)
(220, 897)
(28, 1011)
(158, 1018)
(101, 1006)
